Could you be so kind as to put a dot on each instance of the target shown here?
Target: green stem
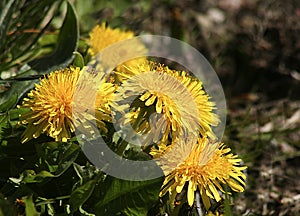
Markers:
(122, 147)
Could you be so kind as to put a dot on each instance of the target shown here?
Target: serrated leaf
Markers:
(129, 197)
(66, 45)
(81, 194)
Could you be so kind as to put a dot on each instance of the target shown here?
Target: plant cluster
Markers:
(45, 171)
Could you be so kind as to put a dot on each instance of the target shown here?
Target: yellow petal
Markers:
(151, 100)
(235, 186)
(215, 192)
(180, 186)
(159, 105)
(191, 193)
(145, 96)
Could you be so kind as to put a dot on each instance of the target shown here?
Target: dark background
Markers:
(254, 47)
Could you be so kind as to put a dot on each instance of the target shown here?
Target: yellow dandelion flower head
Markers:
(50, 105)
(121, 54)
(102, 36)
(92, 102)
(55, 110)
(202, 166)
(104, 103)
(165, 102)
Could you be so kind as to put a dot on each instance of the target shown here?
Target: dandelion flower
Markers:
(202, 166)
(92, 103)
(51, 105)
(121, 55)
(102, 36)
(165, 102)
(104, 102)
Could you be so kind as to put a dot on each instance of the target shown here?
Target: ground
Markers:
(254, 47)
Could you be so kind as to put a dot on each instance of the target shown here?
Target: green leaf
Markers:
(66, 45)
(68, 157)
(78, 60)
(227, 208)
(81, 194)
(40, 177)
(15, 113)
(29, 207)
(57, 157)
(4, 123)
(79, 171)
(128, 197)
(21, 25)
(5, 13)
(10, 103)
(19, 87)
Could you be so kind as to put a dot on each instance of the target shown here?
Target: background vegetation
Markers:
(255, 49)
